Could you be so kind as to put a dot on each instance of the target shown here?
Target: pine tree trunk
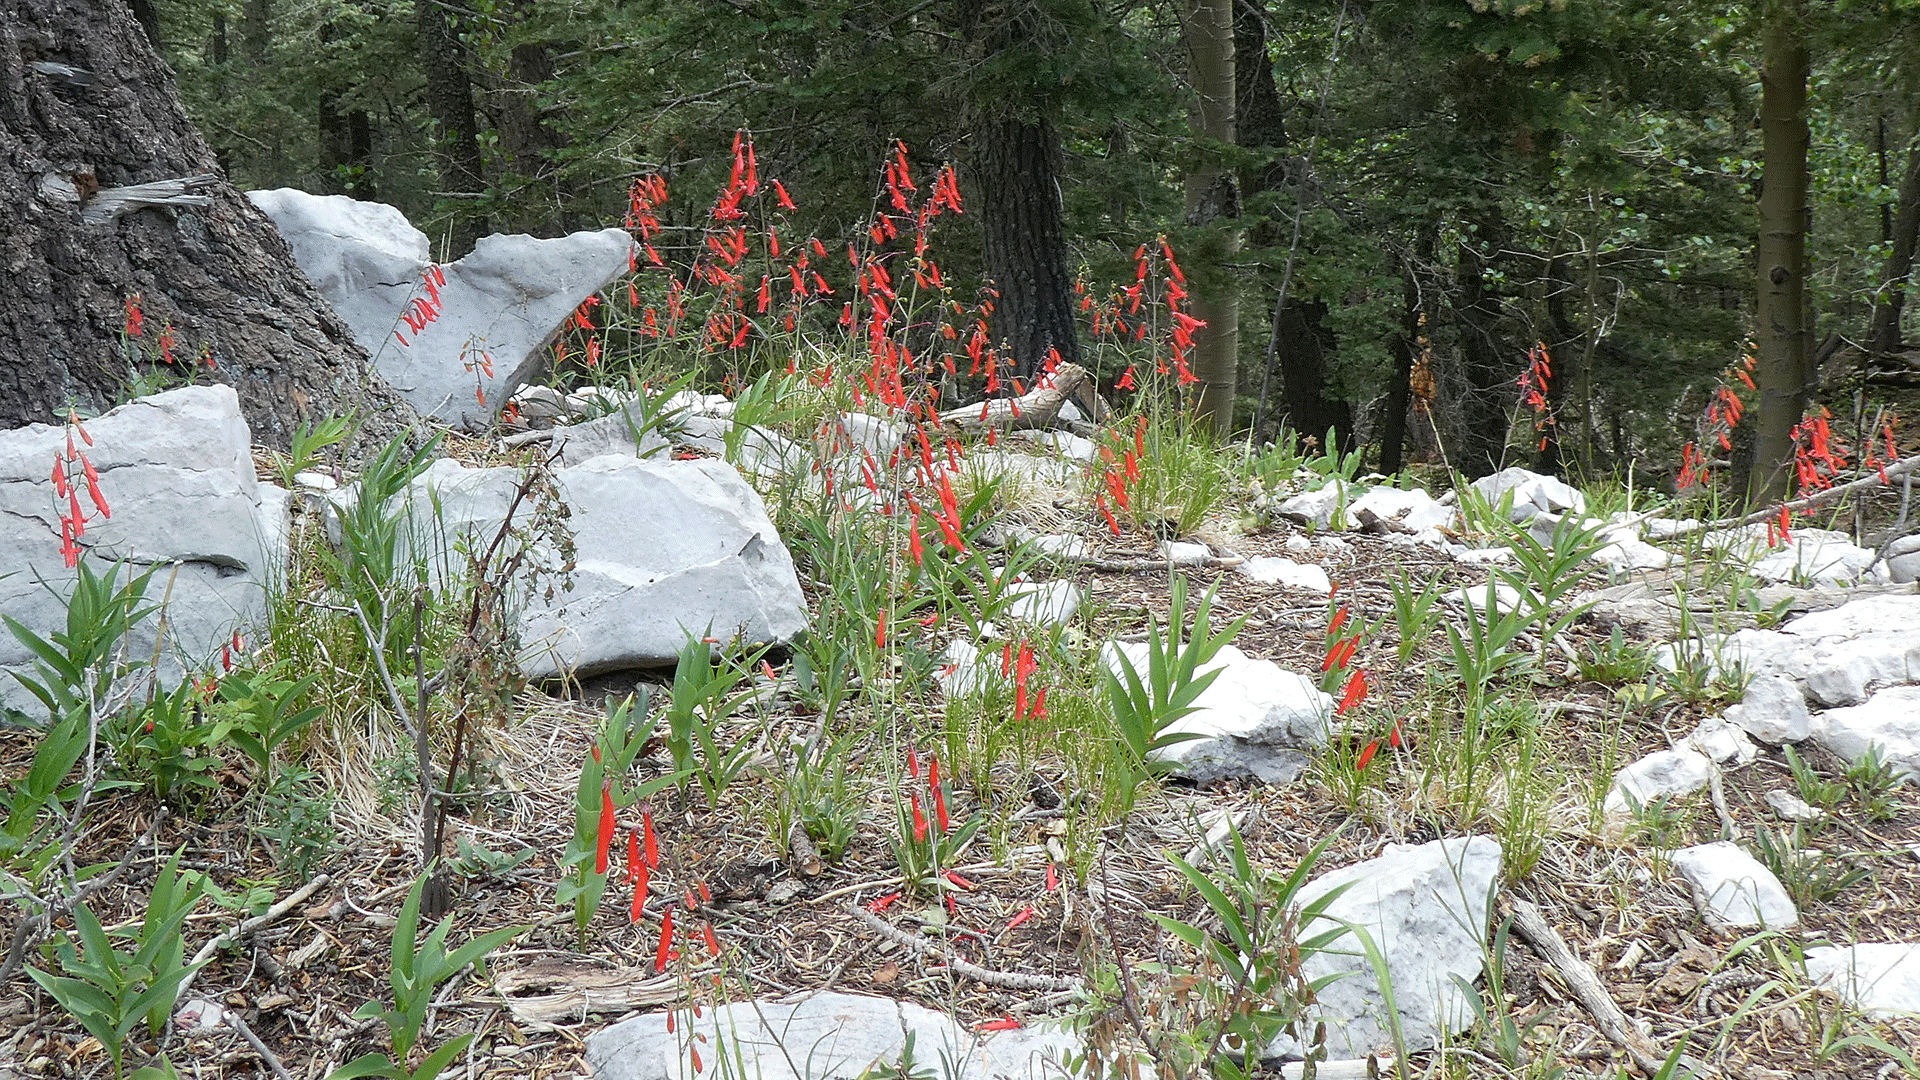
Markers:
(1886, 337)
(1017, 166)
(1298, 339)
(86, 104)
(1213, 202)
(450, 98)
(1480, 444)
(1781, 315)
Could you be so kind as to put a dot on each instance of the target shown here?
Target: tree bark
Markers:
(1298, 340)
(1904, 233)
(213, 269)
(1481, 442)
(1780, 313)
(450, 98)
(1213, 203)
(1017, 166)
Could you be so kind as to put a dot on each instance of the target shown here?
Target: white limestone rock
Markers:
(1837, 655)
(1182, 554)
(1505, 598)
(1319, 508)
(820, 1036)
(1722, 741)
(1883, 979)
(1251, 721)
(1817, 556)
(176, 470)
(1065, 443)
(1625, 550)
(1533, 493)
(1772, 710)
(1413, 508)
(1903, 559)
(505, 299)
(1426, 908)
(1890, 720)
(663, 550)
(1274, 570)
(964, 670)
(1664, 774)
(1733, 888)
(1791, 807)
(1046, 603)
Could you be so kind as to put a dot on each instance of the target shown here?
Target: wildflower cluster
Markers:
(1534, 387)
(1343, 639)
(423, 309)
(929, 839)
(1130, 315)
(1121, 472)
(1018, 664)
(1724, 409)
(133, 336)
(72, 471)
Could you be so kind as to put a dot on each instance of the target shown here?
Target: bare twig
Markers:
(1011, 980)
(1877, 478)
(265, 918)
(31, 927)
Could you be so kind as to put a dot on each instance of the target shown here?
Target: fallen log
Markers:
(1037, 408)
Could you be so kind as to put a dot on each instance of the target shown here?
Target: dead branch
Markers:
(109, 203)
(1896, 471)
(1011, 980)
(1037, 408)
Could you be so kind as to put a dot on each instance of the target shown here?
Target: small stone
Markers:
(1791, 807)
(1733, 887)
(1272, 570)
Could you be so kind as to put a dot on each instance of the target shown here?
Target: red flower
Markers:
(880, 631)
(665, 952)
(919, 819)
(640, 883)
(1356, 691)
(1366, 755)
(605, 838)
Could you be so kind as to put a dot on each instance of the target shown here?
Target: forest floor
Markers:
(1046, 892)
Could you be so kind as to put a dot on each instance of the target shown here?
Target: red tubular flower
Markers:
(640, 882)
(880, 631)
(1356, 691)
(646, 828)
(919, 819)
(1005, 1023)
(1025, 914)
(665, 951)
(939, 808)
(913, 763)
(881, 903)
(605, 837)
(914, 546)
(634, 862)
(1366, 755)
(713, 944)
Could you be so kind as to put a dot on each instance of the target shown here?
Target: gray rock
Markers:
(1903, 559)
(1881, 978)
(1413, 508)
(1319, 508)
(1791, 807)
(1820, 556)
(1732, 888)
(1890, 720)
(1425, 907)
(823, 1036)
(1723, 741)
(1772, 710)
(1252, 710)
(663, 549)
(614, 433)
(177, 472)
(1046, 603)
(505, 299)
(1533, 494)
(1274, 570)
(1661, 775)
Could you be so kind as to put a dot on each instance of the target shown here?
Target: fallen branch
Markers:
(1037, 408)
(1011, 980)
(1586, 986)
(1118, 566)
(235, 933)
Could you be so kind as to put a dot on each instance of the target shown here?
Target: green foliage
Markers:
(1616, 659)
(417, 970)
(1249, 987)
(265, 714)
(1144, 711)
(605, 773)
(701, 701)
(310, 442)
(110, 990)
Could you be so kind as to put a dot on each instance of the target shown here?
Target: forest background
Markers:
(1408, 201)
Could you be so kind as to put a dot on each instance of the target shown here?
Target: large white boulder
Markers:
(1253, 720)
(505, 299)
(1837, 655)
(1889, 720)
(176, 471)
(1881, 978)
(1732, 888)
(663, 549)
(1772, 710)
(1425, 907)
(1533, 494)
(818, 1036)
